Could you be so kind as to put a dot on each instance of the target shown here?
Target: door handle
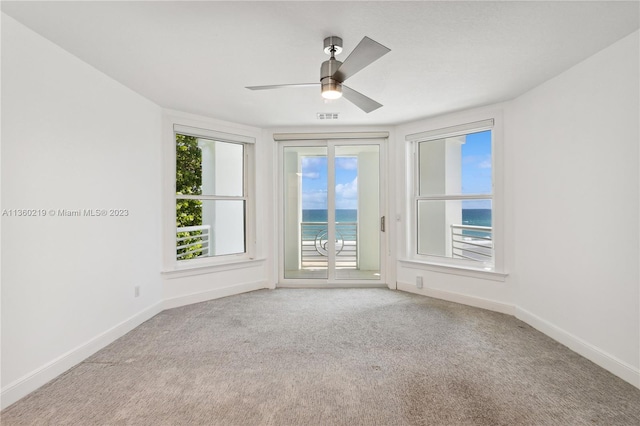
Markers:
(382, 223)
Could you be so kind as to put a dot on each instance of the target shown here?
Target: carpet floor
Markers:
(331, 357)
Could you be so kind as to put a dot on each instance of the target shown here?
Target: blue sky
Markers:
(314, 183)
(476, 176)
(476, 163)
(476, 168)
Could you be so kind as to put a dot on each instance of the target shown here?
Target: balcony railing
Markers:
(472, 242)
(314, 245)
(193, 241)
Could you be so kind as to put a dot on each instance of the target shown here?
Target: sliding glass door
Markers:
(331, 208)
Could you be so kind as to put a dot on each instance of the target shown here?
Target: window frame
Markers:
(440, 129)
(211, 130)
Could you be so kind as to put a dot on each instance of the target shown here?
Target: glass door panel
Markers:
(357, 212)
(305, 212)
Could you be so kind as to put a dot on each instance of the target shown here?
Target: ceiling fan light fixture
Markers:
(332, 94)
(331, 89)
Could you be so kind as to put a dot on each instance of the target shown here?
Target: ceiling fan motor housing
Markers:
(326, 73)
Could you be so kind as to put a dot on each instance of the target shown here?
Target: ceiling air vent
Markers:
(327, 115)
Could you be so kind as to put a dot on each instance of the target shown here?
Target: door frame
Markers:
(330, 141)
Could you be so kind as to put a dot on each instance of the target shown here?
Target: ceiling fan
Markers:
(334, 73)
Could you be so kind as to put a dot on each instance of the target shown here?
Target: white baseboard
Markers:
(33, 380)
(216, 293)
(463, 299)
(297, 284)
(609, 362)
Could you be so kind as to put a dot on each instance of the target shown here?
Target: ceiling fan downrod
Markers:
(330, 87)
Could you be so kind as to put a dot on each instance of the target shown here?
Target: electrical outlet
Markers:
(419, 282)
(136, 291)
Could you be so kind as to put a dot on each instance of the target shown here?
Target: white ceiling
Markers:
(445, 56)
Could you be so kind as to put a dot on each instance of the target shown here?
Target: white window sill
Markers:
(187, 270)
(454, 270)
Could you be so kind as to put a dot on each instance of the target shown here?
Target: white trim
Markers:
(216, 293)
(331, 209)
(334, 139)
(198, 121)
(490, 119)
(33, 380)
(454, 197)
(291, 283)
(329, 136)
(229, 132)
(454, 270)
(498, 200)
(199, 132)
(208, 268)
(478, 302)
(605, 360)
(212, 197)
(447, 132)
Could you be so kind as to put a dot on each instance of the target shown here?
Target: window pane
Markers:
(456, 165)
(209, 228)
(208, 167)
(456, 229)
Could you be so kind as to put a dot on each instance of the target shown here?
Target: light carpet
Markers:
(332, 357)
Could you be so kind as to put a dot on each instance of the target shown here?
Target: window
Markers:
(211, 194)
(454, 195)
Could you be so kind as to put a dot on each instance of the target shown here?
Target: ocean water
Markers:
(475, 217)
(346, 228)
(342, 215)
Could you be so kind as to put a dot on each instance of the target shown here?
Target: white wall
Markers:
(72, 138)
(575, 154)
(571, 211)
(184, 288)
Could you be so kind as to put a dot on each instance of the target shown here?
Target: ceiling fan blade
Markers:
(282, 86)
(358, 99)
(365, 53)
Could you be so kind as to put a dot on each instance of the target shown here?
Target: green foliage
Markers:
(188, 166)
(188, 182)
